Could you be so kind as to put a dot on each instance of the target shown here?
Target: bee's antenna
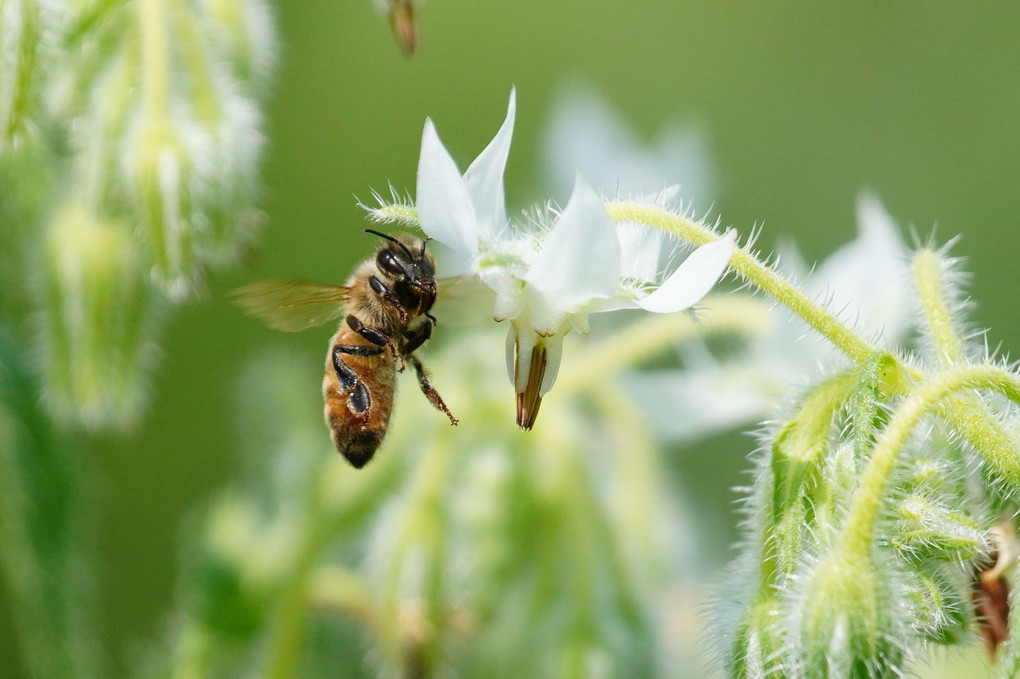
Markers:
(423, 244)
(392, 240)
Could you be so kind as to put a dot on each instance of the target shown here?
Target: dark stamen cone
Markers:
(530, 399)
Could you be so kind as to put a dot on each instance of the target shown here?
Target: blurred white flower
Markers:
(865, 283)
(554, 269)
(619, 163)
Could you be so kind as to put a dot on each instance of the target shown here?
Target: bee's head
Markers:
(409, 264)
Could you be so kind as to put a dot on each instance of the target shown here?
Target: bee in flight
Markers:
(386, 303)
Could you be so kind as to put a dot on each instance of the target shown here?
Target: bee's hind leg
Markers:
(426, 388)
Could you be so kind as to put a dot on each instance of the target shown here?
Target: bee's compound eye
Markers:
(389, 262)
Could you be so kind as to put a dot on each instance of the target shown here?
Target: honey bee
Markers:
(386, 304)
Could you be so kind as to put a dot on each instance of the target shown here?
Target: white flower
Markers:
(621, 163)
(549, 277)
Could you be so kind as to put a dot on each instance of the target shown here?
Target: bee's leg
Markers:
(387, 295)
(426, 388)
(415, 338)
(360, 399)
(375, 336)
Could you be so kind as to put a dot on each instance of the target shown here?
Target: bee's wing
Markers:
(291, 304)
(461, 299)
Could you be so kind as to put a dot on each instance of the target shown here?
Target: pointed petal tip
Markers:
(694, 278)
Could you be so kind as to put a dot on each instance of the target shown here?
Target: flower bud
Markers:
(847, 620)
(926, 528)
(799, 453)
(759, 642)
(167, 130)
(932, 517)
(939, 607)
(96, 319)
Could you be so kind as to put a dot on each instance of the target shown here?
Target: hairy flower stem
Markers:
(928, 274)
(964, 413)
(859, 529)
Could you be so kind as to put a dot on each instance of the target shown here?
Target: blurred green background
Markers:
(802, 104)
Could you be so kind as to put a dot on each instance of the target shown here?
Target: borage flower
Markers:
(553, 268)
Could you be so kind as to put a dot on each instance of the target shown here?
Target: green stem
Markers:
(971, 418)
(928, 273)
(27, 44)
(757, 273)
(422, 526)
(155, 58)
(859, 528)
(965, 414)
(207, 106)
(287, 640)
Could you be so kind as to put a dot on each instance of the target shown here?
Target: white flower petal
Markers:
(511, 356)
(867, 279)
(579, 261)
(553, 356)
(620, 162)
(484, 179)
(693, 279)
(641, 246)
(509, 302)
(445, 210)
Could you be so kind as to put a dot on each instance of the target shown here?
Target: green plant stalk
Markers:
(325, 519)
(207, 105)
(858, 531)
(44, 536)
(965, 414)
(638, 477)
(155, 64)
(928, 274)
(578, 538)
(28, 45)
(421, 525)
(287, 637)
(155, 59)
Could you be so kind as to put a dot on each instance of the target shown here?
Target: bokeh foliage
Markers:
(802, 109)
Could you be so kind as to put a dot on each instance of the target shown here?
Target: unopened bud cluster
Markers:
(871, 519)
(143, 118)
